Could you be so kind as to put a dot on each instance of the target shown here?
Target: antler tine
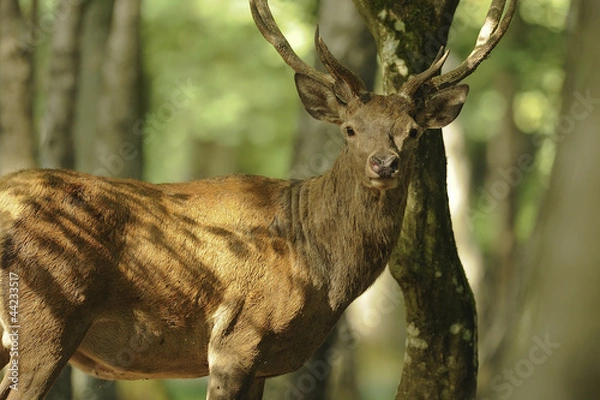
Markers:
(337, 69)
(413, 84)
(493, 29)
(263, 18)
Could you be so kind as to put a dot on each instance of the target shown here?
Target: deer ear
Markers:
(443, 107)
(319, 100)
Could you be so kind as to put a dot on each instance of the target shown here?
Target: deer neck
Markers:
(349, 230)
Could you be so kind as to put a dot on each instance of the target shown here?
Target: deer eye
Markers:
(413, 133)
(350, 131)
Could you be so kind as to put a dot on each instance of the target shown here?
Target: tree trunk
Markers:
(56, 139)
(94, 35)
(441, 354)
(120, 107)
(16, 74)
(509, 158)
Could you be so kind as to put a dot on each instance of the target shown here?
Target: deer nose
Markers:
(384, 165)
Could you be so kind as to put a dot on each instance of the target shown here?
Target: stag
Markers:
(240, 277)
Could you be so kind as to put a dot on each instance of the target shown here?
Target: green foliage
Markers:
(238, 92)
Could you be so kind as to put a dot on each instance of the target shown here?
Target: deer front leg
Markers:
(43, 350)
(234, 354)
(234, 385)
(233, 361)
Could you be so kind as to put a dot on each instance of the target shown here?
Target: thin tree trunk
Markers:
(119, 139)
(16, 75)
(56, 140)
(441, 354)
(509, 159)
(507, 154)
(94, 35)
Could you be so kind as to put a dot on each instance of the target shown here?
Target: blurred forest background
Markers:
(164, 92)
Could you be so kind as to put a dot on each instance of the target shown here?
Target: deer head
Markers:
(381, 131)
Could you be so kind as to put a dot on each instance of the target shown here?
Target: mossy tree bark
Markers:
(441, 348)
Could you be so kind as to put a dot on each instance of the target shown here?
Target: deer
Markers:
(239, 278)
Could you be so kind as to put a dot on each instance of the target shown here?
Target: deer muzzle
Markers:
(382, 169)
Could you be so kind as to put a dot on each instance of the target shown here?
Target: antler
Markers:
(335, 68)
(495, 26)
(266, 24)
(493, 29)
(413, 84)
